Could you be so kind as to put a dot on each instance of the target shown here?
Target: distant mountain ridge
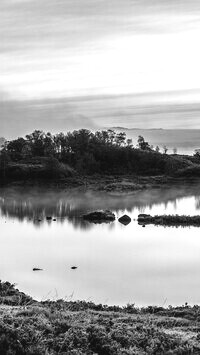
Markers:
(134, 128)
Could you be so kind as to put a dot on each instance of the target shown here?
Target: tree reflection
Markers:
(35, 204)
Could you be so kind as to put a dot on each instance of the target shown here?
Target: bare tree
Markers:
(165, 149)
(129, 142)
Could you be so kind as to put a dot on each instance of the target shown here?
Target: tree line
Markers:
(87, 152)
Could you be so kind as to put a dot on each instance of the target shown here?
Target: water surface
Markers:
(117, 264)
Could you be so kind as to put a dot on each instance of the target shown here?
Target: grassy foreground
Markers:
(31, 327)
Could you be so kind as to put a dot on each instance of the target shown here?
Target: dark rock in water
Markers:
(99, 216)
(124, 219)
(54, 219)
(48, 218)
(74, 267)
(37, 269)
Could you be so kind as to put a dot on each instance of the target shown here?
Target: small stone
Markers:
(37, 269)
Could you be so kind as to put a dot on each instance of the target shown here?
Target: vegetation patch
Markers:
(85, 328)
(170, 220)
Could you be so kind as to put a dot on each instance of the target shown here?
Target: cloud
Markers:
(68, 23)
(59, 48)
(95, 112)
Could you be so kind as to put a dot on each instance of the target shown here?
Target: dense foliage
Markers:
(43, 154)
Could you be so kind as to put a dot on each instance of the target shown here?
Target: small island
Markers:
(102, 160)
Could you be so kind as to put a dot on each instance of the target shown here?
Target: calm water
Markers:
(116, 264)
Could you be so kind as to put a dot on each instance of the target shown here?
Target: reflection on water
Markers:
(35, 204)
(116, 263)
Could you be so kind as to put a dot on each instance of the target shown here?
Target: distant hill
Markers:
(133, 129)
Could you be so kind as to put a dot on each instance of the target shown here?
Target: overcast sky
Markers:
(61, 48)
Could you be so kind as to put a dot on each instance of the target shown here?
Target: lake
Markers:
(117, 264)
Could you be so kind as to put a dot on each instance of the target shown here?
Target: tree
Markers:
(120, 139)
(142, 144)
(129, 142)
(36, 142)
(61, 146)
(78, 141)
(111, 136)
(15, 148)
(4, 160)
(175, 150)
(103, 137)
(157, 149)
(2, 141)
(165, 149)
(197, 152)
(49, 145)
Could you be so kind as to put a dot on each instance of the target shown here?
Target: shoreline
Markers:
(107, 183)
(59, 327)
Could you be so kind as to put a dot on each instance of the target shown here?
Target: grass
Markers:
(77, 328)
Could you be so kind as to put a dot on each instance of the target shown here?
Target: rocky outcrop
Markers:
(99, 216)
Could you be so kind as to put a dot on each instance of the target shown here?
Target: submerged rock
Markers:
(37, 269)
(48, 218)
(124, 219)
(99, 216)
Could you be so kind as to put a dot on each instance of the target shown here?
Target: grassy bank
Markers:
(31, 327)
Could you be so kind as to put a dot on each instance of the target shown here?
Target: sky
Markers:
(55, 52)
